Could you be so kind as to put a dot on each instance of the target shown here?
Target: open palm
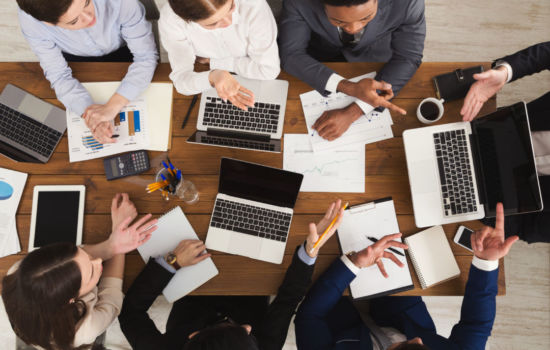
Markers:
(487, 85)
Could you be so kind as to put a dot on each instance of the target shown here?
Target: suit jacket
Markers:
(395, 35)
(529, 61)
(269, 324)
(325, 320)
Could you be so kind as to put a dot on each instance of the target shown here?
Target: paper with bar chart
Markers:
(130, 124)
(341, 170)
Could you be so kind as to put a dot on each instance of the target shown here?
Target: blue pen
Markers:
(163, 177)
(165, 165)
(178, 175)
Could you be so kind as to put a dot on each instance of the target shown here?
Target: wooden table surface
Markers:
(385, 175)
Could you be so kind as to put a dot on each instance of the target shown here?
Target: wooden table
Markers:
(385, 175)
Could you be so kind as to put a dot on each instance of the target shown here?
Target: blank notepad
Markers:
(432, 256)
(172, 228)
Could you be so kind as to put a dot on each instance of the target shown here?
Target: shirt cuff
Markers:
(110, 282)
(351, 266)
(332, 83)
(485, 265)
(160, 260)
(365, 107)
(508, 68)
(306, 259)
(227, 64)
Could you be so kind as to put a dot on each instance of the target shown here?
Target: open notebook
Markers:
(375, 219)
(432, 256)
(173, 227)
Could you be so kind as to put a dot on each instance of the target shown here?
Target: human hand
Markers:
(365, 90)
(228, 88)
(489, 243)
(202, 60)
(190, 252)
(104, 133)
(127, 238)
(314, 230)
(122, 208)
(332, 124)
(373, 254)
(488, 83)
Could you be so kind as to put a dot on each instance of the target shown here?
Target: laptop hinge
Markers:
(478, 169)
(237, 134)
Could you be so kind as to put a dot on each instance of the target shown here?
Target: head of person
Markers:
(42, 297)
(412, 344)
(225, 335)
(350, 15)
(67, 14)
(210, 14)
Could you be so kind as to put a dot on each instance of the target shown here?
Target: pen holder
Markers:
(183, 189)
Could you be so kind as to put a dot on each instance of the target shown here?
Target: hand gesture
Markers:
(365, 90)
(487, 85)
(122, 208)
(190, 252)
(373, 254)
(228, 88)
(103, 133)
(315, 230)
(97, 115)
(332, 124)
(489, 243)
(127, 238)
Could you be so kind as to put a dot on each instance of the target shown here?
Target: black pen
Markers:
(390, 248)
(193, 102)
(115, 136)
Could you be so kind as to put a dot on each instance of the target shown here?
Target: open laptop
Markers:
(460, 171)
(30, 128)
(260, 128)
(253, 210)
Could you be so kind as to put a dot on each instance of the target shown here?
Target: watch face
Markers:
(171, 258)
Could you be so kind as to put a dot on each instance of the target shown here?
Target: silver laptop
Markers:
(253, 210)
(260, 128)
(30, 128)
(460, 171)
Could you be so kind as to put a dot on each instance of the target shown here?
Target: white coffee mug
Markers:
(438, 103)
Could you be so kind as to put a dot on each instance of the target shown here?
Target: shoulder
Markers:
(170, 21)
(407, 7)
(28, 23)
(253, 7)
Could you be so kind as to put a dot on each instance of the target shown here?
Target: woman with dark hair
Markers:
(237, 36)
(52, 296)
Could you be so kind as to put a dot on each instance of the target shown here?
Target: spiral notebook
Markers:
(432, 257)
(375, 219)
(172, 228)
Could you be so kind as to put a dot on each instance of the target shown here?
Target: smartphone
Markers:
(462, 237)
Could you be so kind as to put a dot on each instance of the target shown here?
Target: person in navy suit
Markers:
(326, 320)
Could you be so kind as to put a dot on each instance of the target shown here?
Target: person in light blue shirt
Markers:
(90, 30)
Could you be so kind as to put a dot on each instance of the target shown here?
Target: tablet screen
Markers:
(56, 217)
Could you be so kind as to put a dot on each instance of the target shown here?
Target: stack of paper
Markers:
(142, 124)
(11, 189)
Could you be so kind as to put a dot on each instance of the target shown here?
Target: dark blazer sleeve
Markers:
(295, 284)
(312, 329)
(294, 36)
(407, 45)
(529, 61)
(478, 310)
(135, 323)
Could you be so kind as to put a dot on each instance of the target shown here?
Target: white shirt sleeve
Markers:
(485, 265)
(508, 67)
(332, 87)
(351, 266)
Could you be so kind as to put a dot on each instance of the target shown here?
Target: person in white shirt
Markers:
(238, 36)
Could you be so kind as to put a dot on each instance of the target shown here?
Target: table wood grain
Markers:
(385, 175)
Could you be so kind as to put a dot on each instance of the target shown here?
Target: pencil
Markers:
(327, 229)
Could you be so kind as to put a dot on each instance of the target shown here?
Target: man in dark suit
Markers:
(531, 227)
(325, 320)
(220, 322)
(391, 31)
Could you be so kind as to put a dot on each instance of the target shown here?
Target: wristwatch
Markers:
(172, 259)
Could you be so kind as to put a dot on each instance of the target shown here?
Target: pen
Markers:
(390, 248)
(167, 168)
(115, 136)
(193, 102)
(327, 229)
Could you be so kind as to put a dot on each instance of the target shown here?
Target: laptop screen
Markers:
(507, 163)
(259, 183)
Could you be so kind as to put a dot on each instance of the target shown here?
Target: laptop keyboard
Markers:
(455, 173)
(251, 220)
(27, 131)
(222, 141)
(263, 117)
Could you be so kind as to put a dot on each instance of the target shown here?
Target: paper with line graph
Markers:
(340, 170)
(130, 124)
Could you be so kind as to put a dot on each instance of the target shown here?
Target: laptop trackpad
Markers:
(424, 178)
(243, 244)
(34, 108)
